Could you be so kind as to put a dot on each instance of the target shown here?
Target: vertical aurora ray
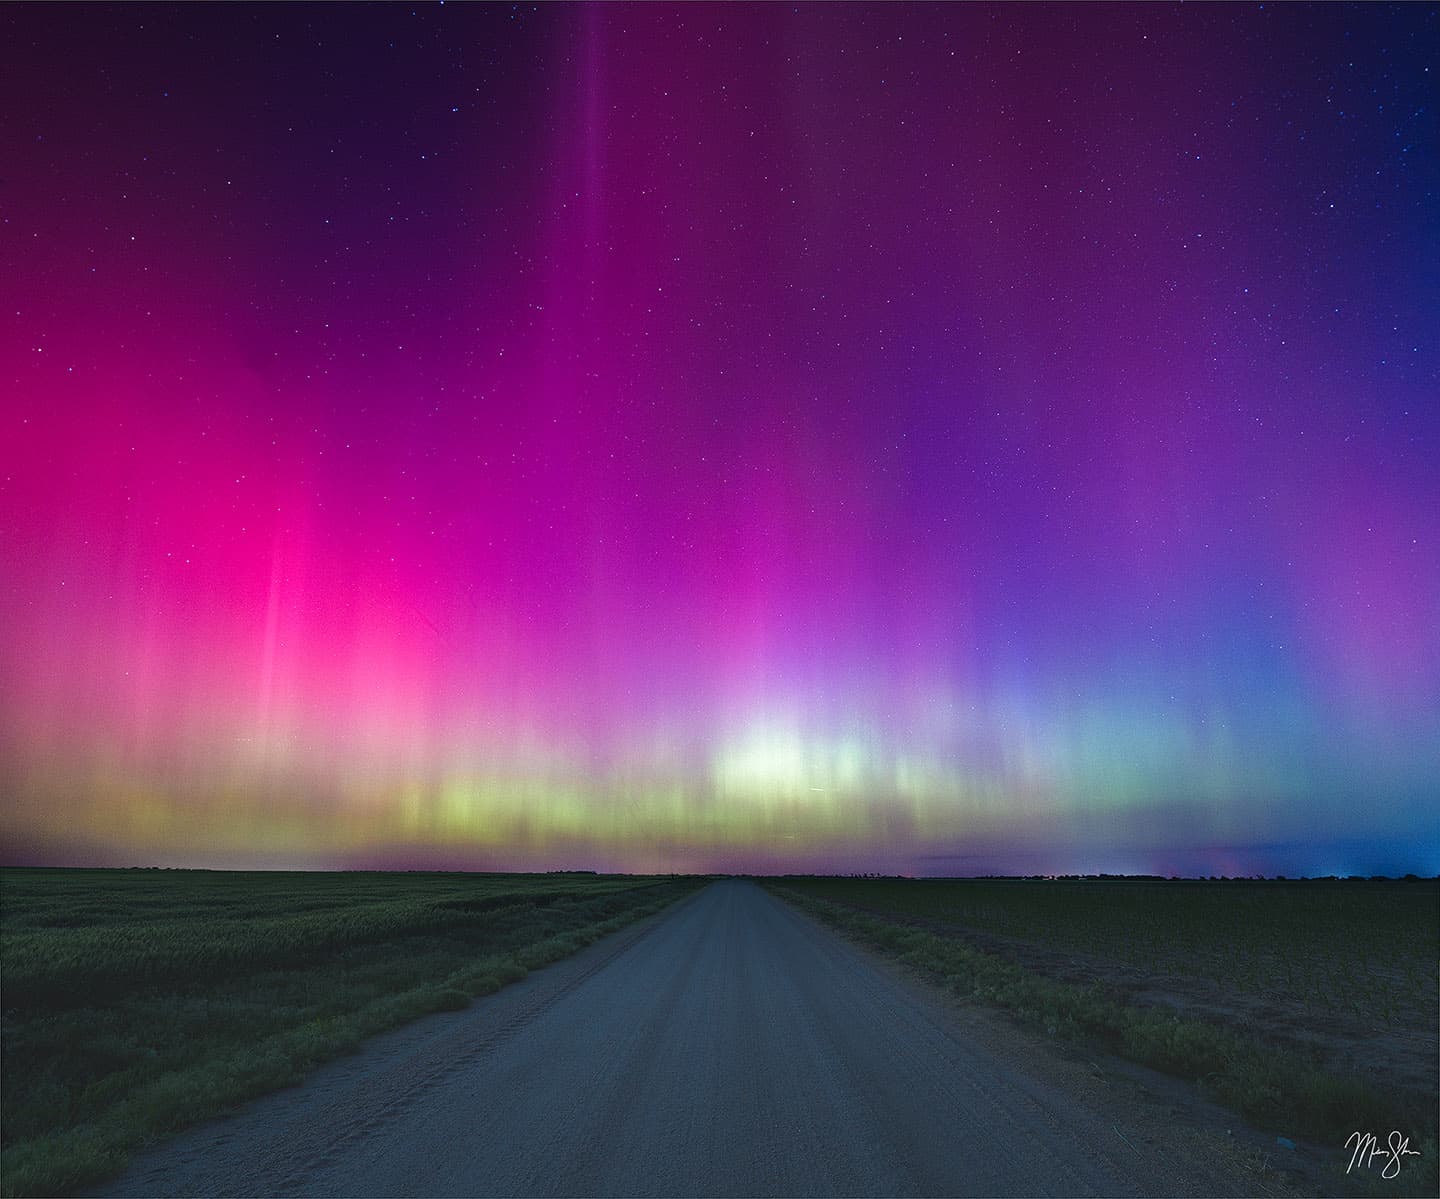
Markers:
(924, 439)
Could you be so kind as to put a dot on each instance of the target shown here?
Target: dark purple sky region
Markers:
(934, 439)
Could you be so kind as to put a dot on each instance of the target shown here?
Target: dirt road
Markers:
(730, 1045)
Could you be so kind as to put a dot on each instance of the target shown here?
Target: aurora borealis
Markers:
(928, 439)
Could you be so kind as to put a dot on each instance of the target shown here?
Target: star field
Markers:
(935, 439)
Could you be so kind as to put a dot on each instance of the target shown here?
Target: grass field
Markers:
(139, 1001)
(1310, 1007)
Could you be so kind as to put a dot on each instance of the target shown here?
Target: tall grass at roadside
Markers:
(171, 996)
(1352, 947)
(1281, 1091)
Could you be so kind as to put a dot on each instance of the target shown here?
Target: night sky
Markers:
(937, 440)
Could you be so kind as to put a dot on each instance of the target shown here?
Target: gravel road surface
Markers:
(728, 1046)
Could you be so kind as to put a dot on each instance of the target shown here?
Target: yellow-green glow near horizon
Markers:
(935, 439)
(770, 796)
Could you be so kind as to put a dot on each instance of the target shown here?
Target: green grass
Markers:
(925, 923)
(1357, 948)
(137, 1002)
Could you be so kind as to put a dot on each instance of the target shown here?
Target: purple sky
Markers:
(934, 439)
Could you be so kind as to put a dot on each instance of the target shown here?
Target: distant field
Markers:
(138, 1001)
(1311, 1006)
(1366, 949)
